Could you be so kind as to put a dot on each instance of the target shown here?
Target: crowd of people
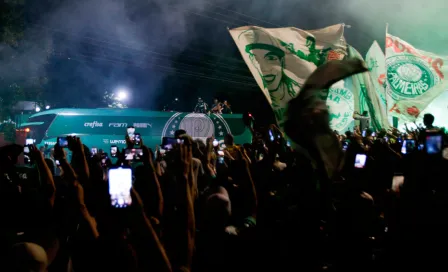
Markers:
(261, 206)
(216, 108)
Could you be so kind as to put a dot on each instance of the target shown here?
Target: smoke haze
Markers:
(160, 49)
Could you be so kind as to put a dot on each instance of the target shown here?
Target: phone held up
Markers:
(131, 133)
(360, 161)
(133, 154)
(434, 143)
(113, 151)
(137, 139)
(63, 142)
(120, 184)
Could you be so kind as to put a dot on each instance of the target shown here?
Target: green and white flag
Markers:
(414, 78)
(376, 62)
(340, 103)
(366, 96)
(281, 59)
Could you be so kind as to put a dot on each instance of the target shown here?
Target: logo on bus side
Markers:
(197, 125)
(125, 125)
(107, 141)
(118, 125)
(93, 124)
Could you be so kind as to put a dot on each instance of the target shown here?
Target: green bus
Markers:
(102, 128)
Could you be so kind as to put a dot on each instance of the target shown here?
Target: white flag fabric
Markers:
(414, 78)
(376, 62)
(366, 96)
(281, 59)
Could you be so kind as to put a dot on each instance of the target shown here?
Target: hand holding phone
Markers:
(130, 131)
(433, 144)
(120, 184)
(63, 142)
(360, 161)
(137, 139)
(113, 151)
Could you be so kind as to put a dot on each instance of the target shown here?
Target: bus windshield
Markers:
(38, 126)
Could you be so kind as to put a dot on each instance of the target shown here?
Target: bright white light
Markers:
(37, 109)
(47, 107)
(122, 95)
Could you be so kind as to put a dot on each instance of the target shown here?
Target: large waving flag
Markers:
(414, 78)
(281, 59)
(376, 62)
(367, 98)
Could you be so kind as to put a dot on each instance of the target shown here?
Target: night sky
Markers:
(160, 50)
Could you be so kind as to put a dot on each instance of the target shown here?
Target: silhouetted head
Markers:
(179, 132)
(228, 140)
(428, 120)
(365, 113)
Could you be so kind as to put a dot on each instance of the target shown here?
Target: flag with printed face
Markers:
(282, 59)
(366, 97)
(414, 78)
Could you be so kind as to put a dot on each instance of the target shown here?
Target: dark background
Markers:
(160, 50)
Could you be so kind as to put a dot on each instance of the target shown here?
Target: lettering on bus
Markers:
(142, 125)
(118, 125)
(117, 141)
(93, 124)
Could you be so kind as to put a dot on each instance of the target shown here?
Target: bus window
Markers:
(38, 126)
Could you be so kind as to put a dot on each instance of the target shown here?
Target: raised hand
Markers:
(59, 153)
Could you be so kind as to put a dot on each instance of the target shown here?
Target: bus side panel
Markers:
(103, 131)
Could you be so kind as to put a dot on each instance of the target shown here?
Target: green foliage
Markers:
(9, 130)
(12, 23)
(19, 84)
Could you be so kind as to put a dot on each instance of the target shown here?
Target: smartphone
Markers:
(386, 139)
(113, 151)
(131, 131)
(221, 160)
(58, 163)
(30, 141)
(344, 145)
(94, 150)
(408, 146)
(133, 154)
(26, 150)
(215, 142)
(168, 143)
(433, 144)
(397, 182)
(220, 153)
(360, 161)
(271, 136)
(373, 134)
(404, 149)
(137, 139)
(288, 143)
(120, 184)
(63, 142)
(363, 133)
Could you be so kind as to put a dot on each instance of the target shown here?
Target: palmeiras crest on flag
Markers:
(197, 125)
